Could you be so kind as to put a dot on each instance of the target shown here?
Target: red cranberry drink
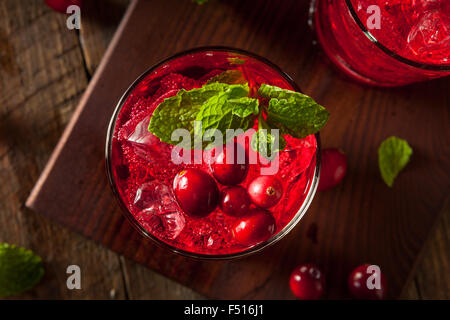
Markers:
(213, 153)
(386, 43)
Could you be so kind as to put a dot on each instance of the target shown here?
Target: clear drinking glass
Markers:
(385, 43)
(141, 172)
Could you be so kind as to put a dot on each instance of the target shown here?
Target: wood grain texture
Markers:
(433, 276)
(305, 74)
(41, 81)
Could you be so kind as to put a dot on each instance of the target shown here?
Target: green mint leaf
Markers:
(236, 60)
(393, 155)
(264, 141)
(232, 109)
(229, 77)
(244, 107)
(20, 270)
(200, 1)
(180, 111)
(294, 113)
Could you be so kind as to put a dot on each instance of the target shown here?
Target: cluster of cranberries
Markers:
(307, 282)
(198, 195)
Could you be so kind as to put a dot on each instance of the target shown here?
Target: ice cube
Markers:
(154, 194)
(296, 158)
(146, 145)
(141, 135)
(430, 37)
(159, 212)
(163, 223)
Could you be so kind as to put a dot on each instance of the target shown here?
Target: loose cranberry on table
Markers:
(265, 191)
(307, 282)
(357, 284)
(230, 171)
(257, 226)
(61, 5)
(235, 201)
(333, 168)
(196, 191)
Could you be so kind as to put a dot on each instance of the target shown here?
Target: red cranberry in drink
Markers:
(359, 286)
(196, 192)
(265, 191)
(307, 282)
(334, 167)
(235, 201)
(62, 5)
(256, 227)
(230, 171)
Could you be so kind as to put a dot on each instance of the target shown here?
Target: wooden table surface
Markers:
(44, 69)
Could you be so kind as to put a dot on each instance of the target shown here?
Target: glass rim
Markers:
(373, 39)
(312, 184)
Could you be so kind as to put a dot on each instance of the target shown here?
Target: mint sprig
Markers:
(294, 113)
(231, 109)
(224, 103)
(218, 106)
(20, 269)
(393, 155)
(180, 111)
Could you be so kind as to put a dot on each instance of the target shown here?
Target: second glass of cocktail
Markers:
(385, 43)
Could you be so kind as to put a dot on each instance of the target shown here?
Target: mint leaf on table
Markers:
(292, 112)
(393, 155)
(229, 77)
(20, 269)
(231, 109)
(181, 110)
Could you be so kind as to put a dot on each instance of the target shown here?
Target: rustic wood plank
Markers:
(95, 38)
(41, 81)
(433, 274)
(307, 76)
(99, 22)
(411, 292)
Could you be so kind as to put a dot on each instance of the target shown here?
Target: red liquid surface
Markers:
(144, 173)
(418, 30)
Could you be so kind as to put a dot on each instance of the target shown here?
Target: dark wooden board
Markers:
(360, 221)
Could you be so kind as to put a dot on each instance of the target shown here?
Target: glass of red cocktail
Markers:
(143, 175)
(385, 43)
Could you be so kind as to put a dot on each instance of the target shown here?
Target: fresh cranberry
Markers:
(265, 191)
(307, 282)
(61, 5)
(256, 227)
(358, 287)
(235, 201)
(334, 167)
(230, 171)
(196, 192)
